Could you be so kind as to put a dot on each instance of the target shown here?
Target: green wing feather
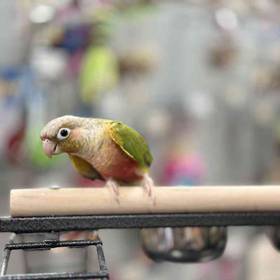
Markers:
(131, 142)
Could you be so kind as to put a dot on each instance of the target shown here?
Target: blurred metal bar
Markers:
(101, 258)
(80, 223)
(56, 276)
(6, 257)
(5, 262)
(49, 244)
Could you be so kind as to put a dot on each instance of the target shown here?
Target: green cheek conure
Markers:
(101, 149)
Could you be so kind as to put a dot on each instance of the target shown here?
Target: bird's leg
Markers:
(148, 185)
(114, 187)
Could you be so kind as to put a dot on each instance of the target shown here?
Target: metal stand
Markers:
(57, 224)
(47, 245)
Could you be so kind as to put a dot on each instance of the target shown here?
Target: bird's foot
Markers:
(114, 187)
(148, 185)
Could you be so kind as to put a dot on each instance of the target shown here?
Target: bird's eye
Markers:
(63, 133)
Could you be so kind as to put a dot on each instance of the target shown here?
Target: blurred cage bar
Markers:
(58, 224)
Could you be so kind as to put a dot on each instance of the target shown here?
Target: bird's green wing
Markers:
(131, 142)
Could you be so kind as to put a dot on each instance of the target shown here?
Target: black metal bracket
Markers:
(47, 245)
(80, 223)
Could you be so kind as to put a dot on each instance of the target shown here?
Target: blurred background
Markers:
(201, 81)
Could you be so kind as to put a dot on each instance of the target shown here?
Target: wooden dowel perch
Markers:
(88, 201)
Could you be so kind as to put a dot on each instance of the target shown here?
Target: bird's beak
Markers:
(50, 148)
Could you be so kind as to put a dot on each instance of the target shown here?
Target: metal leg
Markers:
(6, 257)
(54, 243)
(5, 262)
(101, 258)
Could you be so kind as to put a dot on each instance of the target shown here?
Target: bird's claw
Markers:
(114, 187)
(148, 185)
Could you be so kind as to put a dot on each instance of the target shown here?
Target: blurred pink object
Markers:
(188, 169)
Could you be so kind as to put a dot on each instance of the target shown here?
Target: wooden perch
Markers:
(132, 200)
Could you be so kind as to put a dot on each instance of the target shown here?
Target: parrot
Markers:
(103, 149)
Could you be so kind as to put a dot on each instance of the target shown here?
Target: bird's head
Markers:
(62, 135)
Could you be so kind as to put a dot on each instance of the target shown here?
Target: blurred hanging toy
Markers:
(99, 65)
(99, 72)
(223, 54)
(273, 84)
(73, 38)
(100, 149)
(139, 61)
